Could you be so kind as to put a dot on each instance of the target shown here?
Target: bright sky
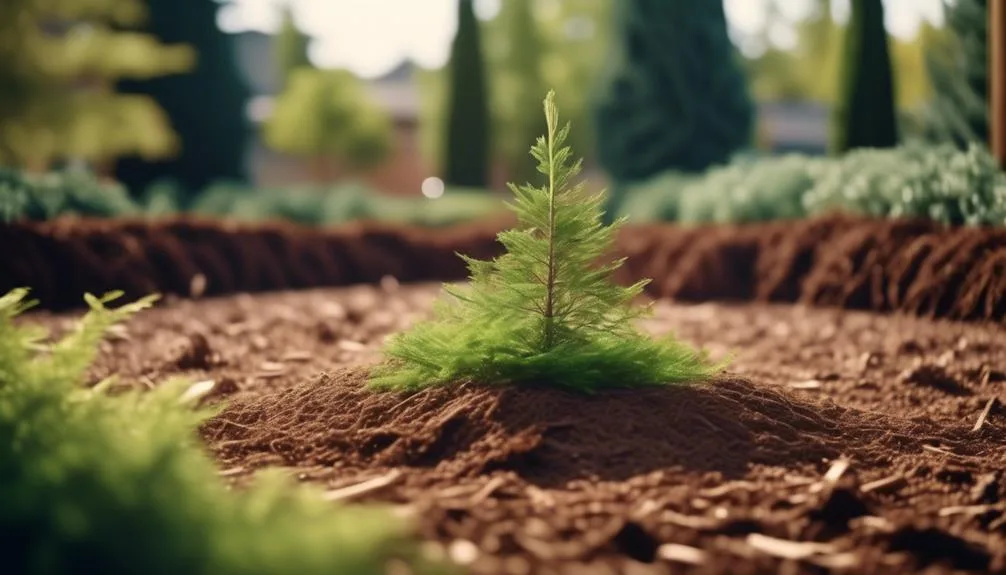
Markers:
(370, 37)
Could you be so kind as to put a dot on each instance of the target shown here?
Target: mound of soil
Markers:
(551, 437)
(839, 441)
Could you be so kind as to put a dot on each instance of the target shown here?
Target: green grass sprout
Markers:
(545, 311)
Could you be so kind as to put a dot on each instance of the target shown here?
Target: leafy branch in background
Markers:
(58, 64)
(545, 311)
(93, 482)
(325, 115)
(958, 71)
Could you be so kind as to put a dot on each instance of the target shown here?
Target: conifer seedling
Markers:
(546, 312)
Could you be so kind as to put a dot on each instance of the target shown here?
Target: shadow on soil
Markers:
(548, 436)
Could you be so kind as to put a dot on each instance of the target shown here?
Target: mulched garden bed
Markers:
(839, 441)
(917, 267)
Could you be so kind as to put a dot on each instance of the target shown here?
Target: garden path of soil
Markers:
(838, 441)
(918, 267)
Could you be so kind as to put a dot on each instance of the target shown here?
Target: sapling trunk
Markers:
(550, 281)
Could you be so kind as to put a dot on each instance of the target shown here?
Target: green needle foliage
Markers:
(95, 482)
(544, 312)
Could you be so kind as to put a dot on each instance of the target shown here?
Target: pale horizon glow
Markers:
(371, 37)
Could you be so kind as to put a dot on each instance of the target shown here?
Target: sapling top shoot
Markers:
(547, 311)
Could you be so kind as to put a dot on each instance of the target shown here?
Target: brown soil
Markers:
(838, 441)
(916, 267)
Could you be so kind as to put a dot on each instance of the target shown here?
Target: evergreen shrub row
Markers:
(943, 183)
(46, 196)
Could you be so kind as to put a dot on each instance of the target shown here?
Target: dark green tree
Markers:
(865, 115)
(206, 107)
(673, 95)
(290, 47)
(958, 73)
(466, 158)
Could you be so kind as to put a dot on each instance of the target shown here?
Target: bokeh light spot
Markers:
(433, 187)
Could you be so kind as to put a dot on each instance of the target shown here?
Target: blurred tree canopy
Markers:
(325, 115)
(58, 63)
(206, 105)
(958, 70)
(291, 46)
(572, 37)
(519, 79)
(675, 96)
(810, 71)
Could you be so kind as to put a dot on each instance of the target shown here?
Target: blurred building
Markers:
(785, 127)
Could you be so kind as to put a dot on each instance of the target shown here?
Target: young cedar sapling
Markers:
(545, 312)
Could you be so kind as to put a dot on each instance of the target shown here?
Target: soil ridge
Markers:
(916, 267)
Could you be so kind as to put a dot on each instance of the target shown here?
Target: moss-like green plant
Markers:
(92, 482)
(545, 311)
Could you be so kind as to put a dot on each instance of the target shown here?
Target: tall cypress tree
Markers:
(466, 158)
(206, 106)
(865, 115)
(673, 95)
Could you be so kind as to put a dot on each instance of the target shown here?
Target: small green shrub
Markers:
(92, 482)
(749, 191)
(346, 202)
(655, 200)
(938, 182)
(43, 197)
(46, 196)
(941, 183)
(545, 311)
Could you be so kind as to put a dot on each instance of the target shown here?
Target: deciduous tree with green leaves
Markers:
(547, 311)
(324, 115)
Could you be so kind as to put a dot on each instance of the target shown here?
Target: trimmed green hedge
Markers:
(319, 205)
(43, 197)
(942, 183)
(959, 187)
(94, 482)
